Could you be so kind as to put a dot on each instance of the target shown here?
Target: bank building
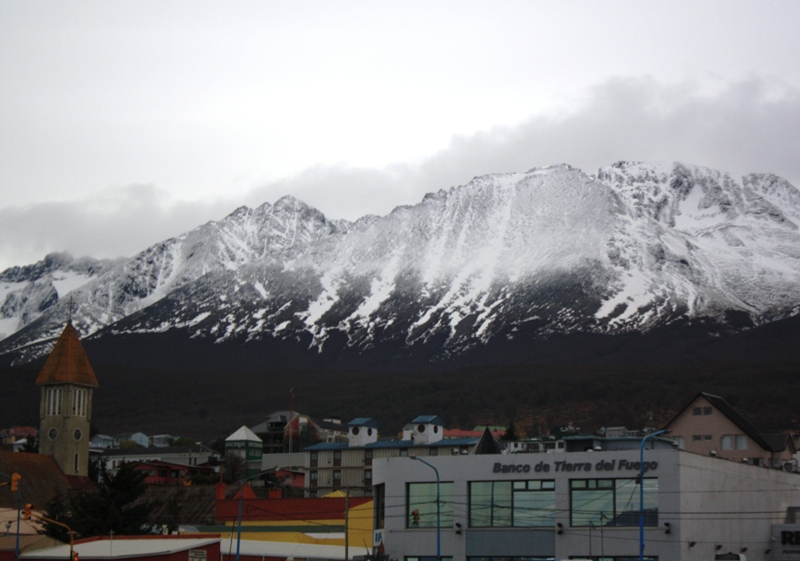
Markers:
(589, 500)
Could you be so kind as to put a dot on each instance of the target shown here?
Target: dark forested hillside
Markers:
(591, 381)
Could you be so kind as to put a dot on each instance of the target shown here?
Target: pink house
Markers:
(708, 425)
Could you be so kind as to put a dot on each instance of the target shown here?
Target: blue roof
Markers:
(470, 441)
(363, 422)
(429, 420)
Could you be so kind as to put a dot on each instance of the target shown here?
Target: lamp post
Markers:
(641, 491)
(438, 509)
(241, 497)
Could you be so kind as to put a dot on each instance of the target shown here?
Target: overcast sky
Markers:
(124, 123)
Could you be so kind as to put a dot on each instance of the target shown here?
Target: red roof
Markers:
(460, 433)
(42, 479)
(67, 363)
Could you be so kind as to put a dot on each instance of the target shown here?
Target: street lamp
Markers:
(241, 497)
(641, 491)
(438, 509)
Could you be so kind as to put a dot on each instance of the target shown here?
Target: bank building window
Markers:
(612, 502)
(421, 505)
(527, 558)
(512, 503)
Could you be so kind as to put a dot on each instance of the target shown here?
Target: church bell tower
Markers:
(65, 413)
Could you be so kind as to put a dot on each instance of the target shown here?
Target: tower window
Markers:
(79, 402)
(53, 401)
(77, 459)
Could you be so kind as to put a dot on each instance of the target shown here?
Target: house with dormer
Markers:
(710, 426)
(347, 466)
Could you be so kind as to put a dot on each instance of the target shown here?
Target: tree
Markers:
(116, 505)
(57, 509)
(510, 434)
(234, 468)
(94, 469)
(31, 445)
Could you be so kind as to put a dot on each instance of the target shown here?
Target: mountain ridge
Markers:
(503, 259)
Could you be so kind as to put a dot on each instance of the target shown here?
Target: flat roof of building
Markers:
(444, 443)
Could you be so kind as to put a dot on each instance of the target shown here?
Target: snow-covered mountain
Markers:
(28, 292)
(505, 258)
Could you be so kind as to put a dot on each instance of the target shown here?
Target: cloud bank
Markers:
(748, 126)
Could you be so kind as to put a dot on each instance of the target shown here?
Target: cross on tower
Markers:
(71, 306)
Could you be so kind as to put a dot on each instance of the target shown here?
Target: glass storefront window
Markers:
(421, 505)
(512, 503)
(612, 502)
(506, 558)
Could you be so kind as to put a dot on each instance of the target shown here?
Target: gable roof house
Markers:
(709, 425)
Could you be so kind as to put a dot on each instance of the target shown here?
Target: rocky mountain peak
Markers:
(502, 258)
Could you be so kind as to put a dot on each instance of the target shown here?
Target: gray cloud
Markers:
(113, 224)
(749, 126)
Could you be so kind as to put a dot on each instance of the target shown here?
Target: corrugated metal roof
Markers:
(363, 422)
(120, 548)
(160, 450)
(193, 505)
(429, 420)
(42, 479)
(29, 542)
(286, 549)
(67, 363)
(276, 419)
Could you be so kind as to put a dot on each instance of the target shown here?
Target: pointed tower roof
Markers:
(243, 433)
(67, 363)
(487, 444)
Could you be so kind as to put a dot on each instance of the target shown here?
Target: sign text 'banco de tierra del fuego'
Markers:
(564, 466)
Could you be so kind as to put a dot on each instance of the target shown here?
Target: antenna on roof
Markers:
(70, 307)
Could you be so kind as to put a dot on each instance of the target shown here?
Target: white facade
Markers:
(185, 455)
(428, 429)
(581, 504)
(362, 432)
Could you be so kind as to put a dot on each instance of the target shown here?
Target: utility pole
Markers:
(347, 524)
(291, 415)
(641, 489)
